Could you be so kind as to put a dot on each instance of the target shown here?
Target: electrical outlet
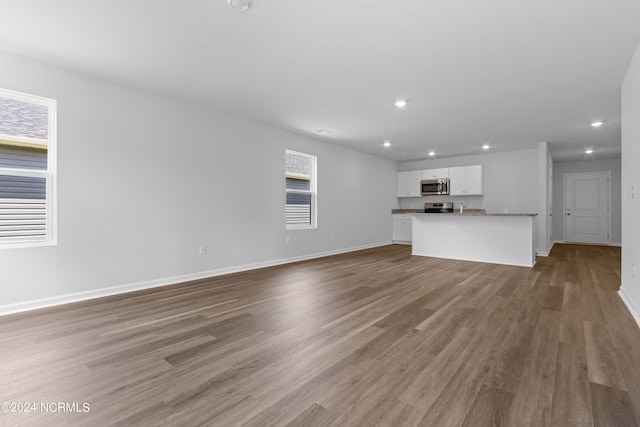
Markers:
(633, 191)
(202, 249)
(287, 240)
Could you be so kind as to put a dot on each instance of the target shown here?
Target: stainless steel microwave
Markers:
(434, 187)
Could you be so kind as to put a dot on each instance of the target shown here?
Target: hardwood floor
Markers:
(375, 337)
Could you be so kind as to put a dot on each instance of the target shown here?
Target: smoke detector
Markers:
(239, 5)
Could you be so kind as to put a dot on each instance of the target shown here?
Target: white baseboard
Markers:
(122, 289)
(545, 253)
(610, 244)
(632, 309)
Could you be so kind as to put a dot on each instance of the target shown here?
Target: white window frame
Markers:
(312, 191)
(49, 175)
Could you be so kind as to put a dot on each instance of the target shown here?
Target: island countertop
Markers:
(472, 214)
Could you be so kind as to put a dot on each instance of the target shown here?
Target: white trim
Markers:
(543, 253)
(293, 227)
(26, 244)
(52, 168)
(617, 244)
(632, 309)
(28, 98)
(33, 173)
(122, 289)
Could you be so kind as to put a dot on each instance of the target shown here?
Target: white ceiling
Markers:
(510, 73)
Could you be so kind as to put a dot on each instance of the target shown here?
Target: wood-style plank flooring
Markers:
(375, 337)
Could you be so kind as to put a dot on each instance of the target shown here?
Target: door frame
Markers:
(564, 201)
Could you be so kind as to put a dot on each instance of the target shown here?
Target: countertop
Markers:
(421, 211)
(467, 212)
(474, 214)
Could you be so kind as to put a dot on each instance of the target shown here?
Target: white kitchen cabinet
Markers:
(409, 184)
(402, 228)
(435, 173)
(465, 181)
(456, 181)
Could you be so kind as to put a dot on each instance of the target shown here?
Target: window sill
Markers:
(301, 227)
(23, 245)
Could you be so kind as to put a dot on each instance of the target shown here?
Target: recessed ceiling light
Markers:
(322, 132)
(596, 124)
(239, 5)
(432, 153)
(401, 103)
(486, 146)
(387, 143)
(588, 151)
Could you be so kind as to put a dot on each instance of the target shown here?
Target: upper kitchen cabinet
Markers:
(409, 183)
(435, 173)
(465, 181)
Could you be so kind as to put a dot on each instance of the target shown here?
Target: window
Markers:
(27, 169)
(300, 188)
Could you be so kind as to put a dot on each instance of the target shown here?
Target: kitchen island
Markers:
(483, 237)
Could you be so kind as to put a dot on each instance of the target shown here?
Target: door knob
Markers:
(568, 214)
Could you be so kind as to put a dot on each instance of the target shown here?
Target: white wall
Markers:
(143, 180)
(630, 289)
(510, 181)
(604, 165)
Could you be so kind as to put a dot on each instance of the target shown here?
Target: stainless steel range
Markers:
(445, 207)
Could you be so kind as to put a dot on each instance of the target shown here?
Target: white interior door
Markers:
(587, 207)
